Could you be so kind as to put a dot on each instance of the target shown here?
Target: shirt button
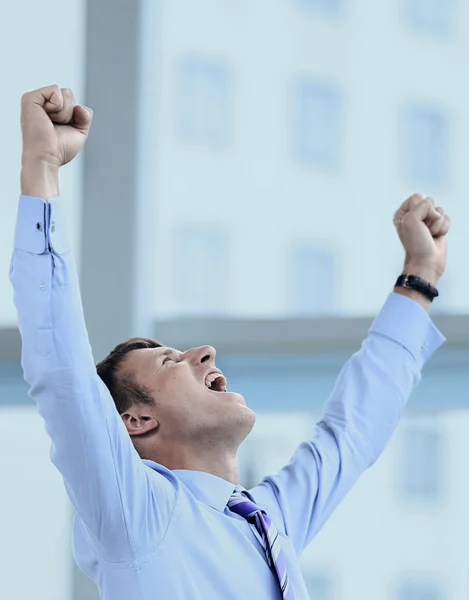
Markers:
(53, 227)
(425, 347)
(42, 286)
(38, 226)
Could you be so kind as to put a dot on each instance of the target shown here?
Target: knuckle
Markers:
(427, 202)
(53, 89)
(415, 200)
(57, 90)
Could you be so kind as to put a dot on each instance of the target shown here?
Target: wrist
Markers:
(39, 178)
(426, 272)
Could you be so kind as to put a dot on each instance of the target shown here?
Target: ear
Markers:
(138, 421)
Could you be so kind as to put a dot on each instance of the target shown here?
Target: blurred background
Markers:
(238, 189)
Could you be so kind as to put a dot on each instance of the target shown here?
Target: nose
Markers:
(203, 354)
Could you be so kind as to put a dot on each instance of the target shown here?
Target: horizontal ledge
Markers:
(263, 335)
(10, 344)
(287, 335)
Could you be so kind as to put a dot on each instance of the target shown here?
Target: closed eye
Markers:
(166, 359)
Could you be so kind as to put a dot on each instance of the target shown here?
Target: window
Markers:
(313, 279)
(317, 123)
(200, 269)
(419, 590)
(433, 17)
(327, 7)
(421, 463)
(204, 101)
(319, 585)
(425, 146)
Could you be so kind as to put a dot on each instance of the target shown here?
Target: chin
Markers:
(238, 403)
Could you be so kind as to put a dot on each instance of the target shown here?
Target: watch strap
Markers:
(413, 282)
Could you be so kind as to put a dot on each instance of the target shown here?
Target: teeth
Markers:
(211, 378)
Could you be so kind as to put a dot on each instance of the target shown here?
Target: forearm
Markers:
(359, 418)
(103, 474)
(376, 383)
(39, 179)
(90, 445)
(368, 399)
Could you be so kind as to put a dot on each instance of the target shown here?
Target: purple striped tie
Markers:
(243, 504)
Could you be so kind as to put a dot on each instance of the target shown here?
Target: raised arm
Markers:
(370, 393)
(124, 508)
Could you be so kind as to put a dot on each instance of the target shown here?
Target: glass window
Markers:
(317, 123)
(434, 17)
(419, 590)
(313, 280)
(203, 96)
(425, 146)
(200, 269)
(421, 463)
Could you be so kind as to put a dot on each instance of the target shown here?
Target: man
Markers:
(159, 512)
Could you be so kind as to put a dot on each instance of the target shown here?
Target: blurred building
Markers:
(304, 123)
(238, 189)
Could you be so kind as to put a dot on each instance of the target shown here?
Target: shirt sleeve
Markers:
(111, 489)
(359, 418)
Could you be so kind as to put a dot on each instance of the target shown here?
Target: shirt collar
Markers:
(207, 488)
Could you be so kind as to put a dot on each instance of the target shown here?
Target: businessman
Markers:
(146, 441)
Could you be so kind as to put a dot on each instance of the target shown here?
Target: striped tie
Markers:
(242, 504)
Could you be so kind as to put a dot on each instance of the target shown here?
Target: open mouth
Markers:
(215, 382)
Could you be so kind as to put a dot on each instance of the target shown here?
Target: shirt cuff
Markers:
(40, 225)
(406, 322)
(31, 225)
(58, 233)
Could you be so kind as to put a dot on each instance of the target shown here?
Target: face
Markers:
(191, 398)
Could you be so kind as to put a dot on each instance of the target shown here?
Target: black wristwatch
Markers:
(412, 282)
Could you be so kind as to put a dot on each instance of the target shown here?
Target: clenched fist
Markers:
(422, 229)
(54, 127)
(54, 131)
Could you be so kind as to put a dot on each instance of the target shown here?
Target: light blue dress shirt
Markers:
(143, 532)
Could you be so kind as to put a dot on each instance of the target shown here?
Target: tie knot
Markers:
(241, 504)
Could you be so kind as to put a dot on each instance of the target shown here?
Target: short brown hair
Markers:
(125, 391)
